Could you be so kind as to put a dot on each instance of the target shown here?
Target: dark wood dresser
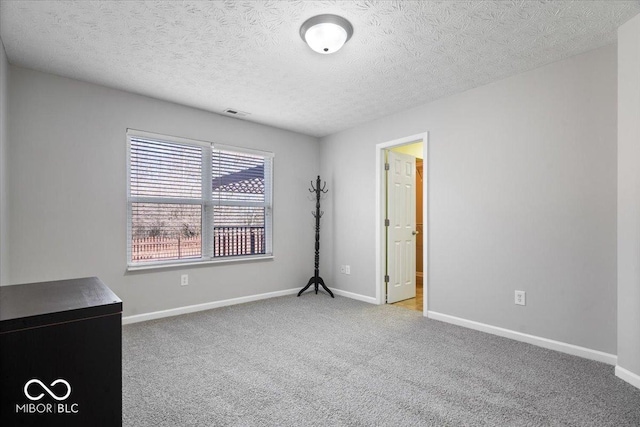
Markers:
(60, 354)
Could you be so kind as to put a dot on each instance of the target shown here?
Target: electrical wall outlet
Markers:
(343, 270)
(184, 280)
(521, 298)
(347, 269)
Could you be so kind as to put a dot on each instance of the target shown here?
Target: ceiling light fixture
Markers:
(326, 33)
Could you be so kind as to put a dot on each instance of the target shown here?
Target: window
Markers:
(191, 201)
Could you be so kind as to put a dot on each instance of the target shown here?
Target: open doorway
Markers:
(401, 226)
(415, 151)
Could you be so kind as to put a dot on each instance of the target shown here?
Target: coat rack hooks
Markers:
(316, 280)
(314, 188)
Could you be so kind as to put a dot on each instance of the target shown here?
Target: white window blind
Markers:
(189, 201)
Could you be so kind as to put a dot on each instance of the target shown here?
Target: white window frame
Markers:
(206, 202)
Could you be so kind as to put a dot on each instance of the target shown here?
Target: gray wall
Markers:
(4, 79)
(629, 195)
(67, 192)
(522, 195)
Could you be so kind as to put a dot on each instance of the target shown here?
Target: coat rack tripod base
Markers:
(316, 280)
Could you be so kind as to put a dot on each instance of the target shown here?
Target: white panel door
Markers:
(401, 232)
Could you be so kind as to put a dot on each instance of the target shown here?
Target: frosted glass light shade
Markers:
(326, 34)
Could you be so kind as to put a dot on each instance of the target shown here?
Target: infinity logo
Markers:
(52, 394)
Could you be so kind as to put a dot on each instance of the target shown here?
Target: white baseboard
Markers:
(563, 347)
(206, 306)
(370, 300)
(628, 376)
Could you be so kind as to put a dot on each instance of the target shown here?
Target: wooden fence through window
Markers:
(227, 241)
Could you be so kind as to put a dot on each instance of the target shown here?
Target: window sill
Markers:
(183, 264)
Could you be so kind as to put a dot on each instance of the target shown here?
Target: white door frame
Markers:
(379, 209)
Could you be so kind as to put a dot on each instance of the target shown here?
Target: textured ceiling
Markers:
(248, 55)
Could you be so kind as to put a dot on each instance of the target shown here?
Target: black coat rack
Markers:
(316, 279)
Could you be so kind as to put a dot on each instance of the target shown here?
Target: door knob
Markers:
(414, 232)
